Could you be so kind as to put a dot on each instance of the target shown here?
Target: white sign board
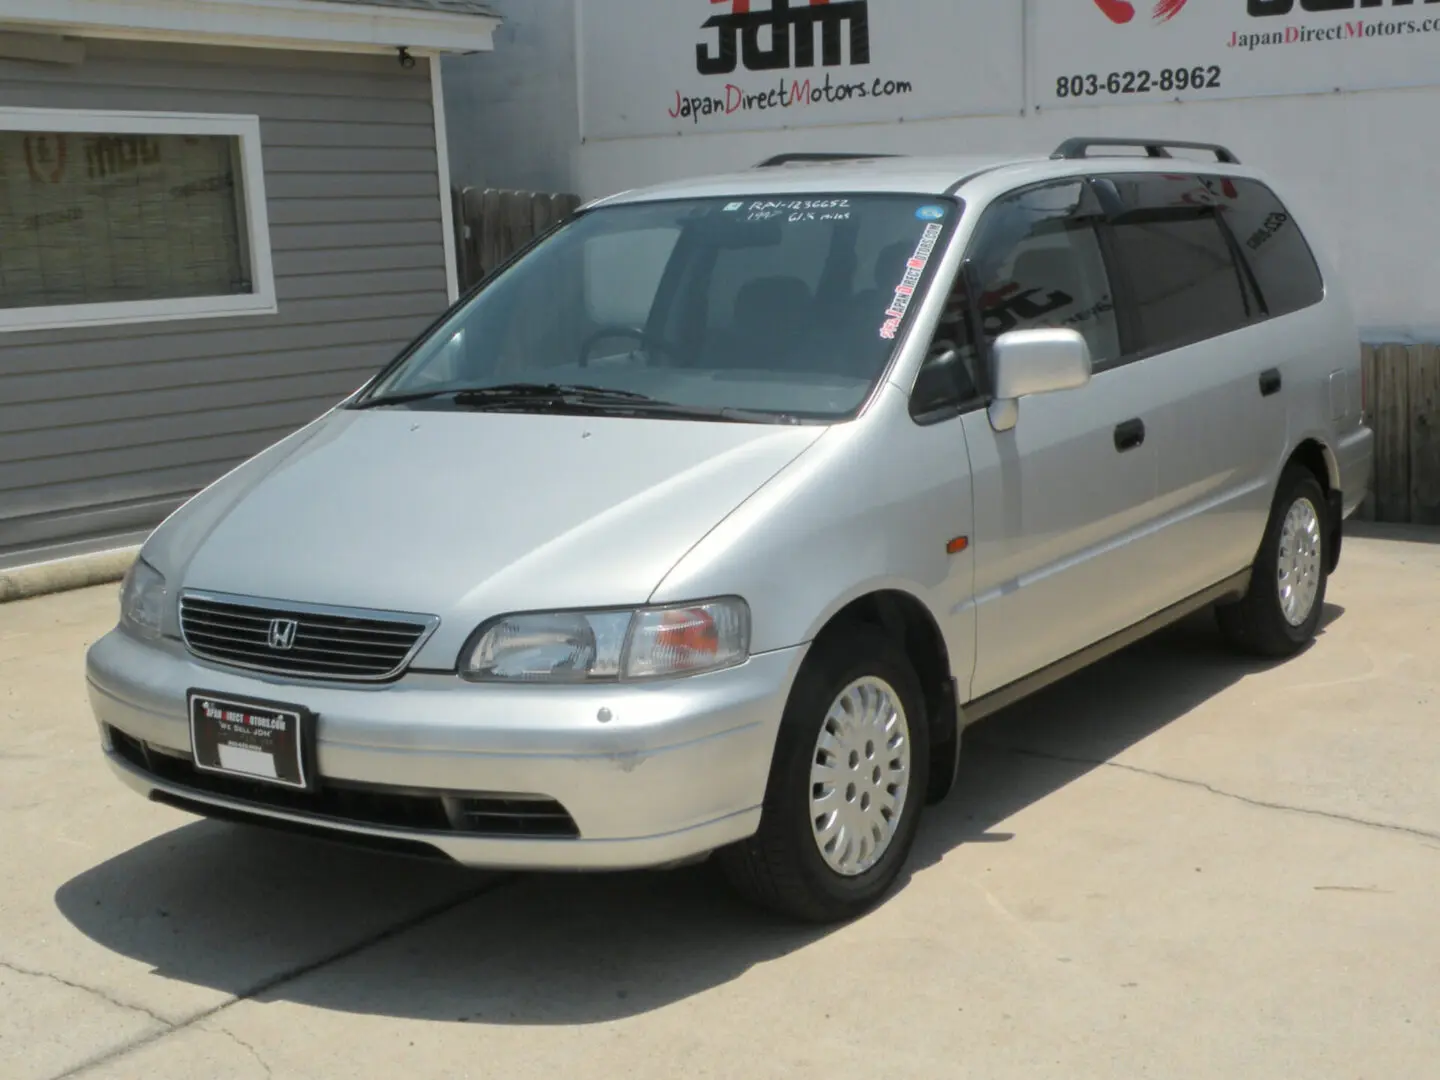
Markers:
(1106, 52)
(669, 67)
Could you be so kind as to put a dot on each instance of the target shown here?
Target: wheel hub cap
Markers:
(859, 776)
(1298, 578)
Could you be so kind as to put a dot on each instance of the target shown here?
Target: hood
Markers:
(469, 515)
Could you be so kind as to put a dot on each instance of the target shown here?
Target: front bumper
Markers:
(677, 769)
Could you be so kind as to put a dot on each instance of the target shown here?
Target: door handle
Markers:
(1269, 382)
(1129, 435)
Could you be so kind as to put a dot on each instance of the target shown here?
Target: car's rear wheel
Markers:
(1280, 612)
(847, 784)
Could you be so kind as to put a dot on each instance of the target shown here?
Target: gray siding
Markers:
(105, 431)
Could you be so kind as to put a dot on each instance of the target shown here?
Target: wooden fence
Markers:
(1403, 406)
(492, 224)
(1402, 381)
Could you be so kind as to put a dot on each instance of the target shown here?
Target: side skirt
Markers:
(1232, 588)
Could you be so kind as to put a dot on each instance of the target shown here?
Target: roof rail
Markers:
(1155, 148)
(786, 159)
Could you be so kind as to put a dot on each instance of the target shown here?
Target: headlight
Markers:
(142, 599)
(593, 646)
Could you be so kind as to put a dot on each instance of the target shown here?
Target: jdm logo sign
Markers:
(1121, 11)
(791, 38)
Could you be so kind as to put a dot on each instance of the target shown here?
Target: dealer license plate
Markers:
(256, 740)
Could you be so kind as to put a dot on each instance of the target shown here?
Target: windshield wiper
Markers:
(599, 397)
(507, 395)
(547, 391)
(464, 395)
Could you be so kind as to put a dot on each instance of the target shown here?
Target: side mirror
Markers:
(1029, 362)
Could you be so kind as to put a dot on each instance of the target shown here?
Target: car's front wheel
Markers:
(847, 783)
(1280, 613)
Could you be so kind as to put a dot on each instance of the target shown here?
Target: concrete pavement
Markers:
(1175, 865)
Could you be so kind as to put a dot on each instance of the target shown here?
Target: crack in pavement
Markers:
(290, 975)
(1264, 804)
(91, 990)
(222, 1030)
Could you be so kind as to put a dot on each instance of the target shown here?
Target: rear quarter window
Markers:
(1272, 244)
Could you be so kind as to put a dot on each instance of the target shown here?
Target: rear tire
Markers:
(853, 744)
(1280, 612)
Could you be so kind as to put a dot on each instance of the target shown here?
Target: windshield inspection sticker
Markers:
(930, 213)
(730, 208)
(906, 289)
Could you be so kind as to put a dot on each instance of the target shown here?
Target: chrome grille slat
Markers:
(358, 642)
(329, 643)
(260, 621)
(257, 642)
(302, 657)
(303, 644)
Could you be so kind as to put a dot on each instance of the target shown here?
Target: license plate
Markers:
(263, 741)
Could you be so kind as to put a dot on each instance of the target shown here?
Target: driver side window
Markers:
(1035, 260)
(1039, 264)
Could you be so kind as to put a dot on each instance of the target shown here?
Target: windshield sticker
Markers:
(930, 213)
(906, 289)
(730, 208)
(795, 210)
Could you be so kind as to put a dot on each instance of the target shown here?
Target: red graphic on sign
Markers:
(742, 7)
(1117, 11)
(1121, 11)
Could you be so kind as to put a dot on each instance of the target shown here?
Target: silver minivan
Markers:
(708, 522)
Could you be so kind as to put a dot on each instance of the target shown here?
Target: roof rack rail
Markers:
(786, 159)
(1156, 148)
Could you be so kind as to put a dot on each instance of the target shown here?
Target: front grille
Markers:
(501, 816)
(320, 643)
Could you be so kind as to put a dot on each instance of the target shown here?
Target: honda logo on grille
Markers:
(282, 634)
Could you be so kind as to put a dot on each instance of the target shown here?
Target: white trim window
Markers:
(111, 218)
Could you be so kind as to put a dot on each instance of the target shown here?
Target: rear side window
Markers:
(1278, 254)
(1184, 284)
(1180, 266)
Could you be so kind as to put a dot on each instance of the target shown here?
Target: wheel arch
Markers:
(909, 622)
(1316, 455)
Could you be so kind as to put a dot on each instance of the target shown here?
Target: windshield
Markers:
(778, 308)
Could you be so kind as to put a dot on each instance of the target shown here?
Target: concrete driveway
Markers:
(1174, 865)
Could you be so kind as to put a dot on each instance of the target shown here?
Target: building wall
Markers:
(104, 431)
(514, 113)
(1360, 166)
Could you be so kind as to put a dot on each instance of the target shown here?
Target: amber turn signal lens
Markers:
(688, 631)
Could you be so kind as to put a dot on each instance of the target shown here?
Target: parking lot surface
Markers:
(1176, 864)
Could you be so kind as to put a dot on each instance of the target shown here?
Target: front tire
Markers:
(1280, 612)
(847, 784)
